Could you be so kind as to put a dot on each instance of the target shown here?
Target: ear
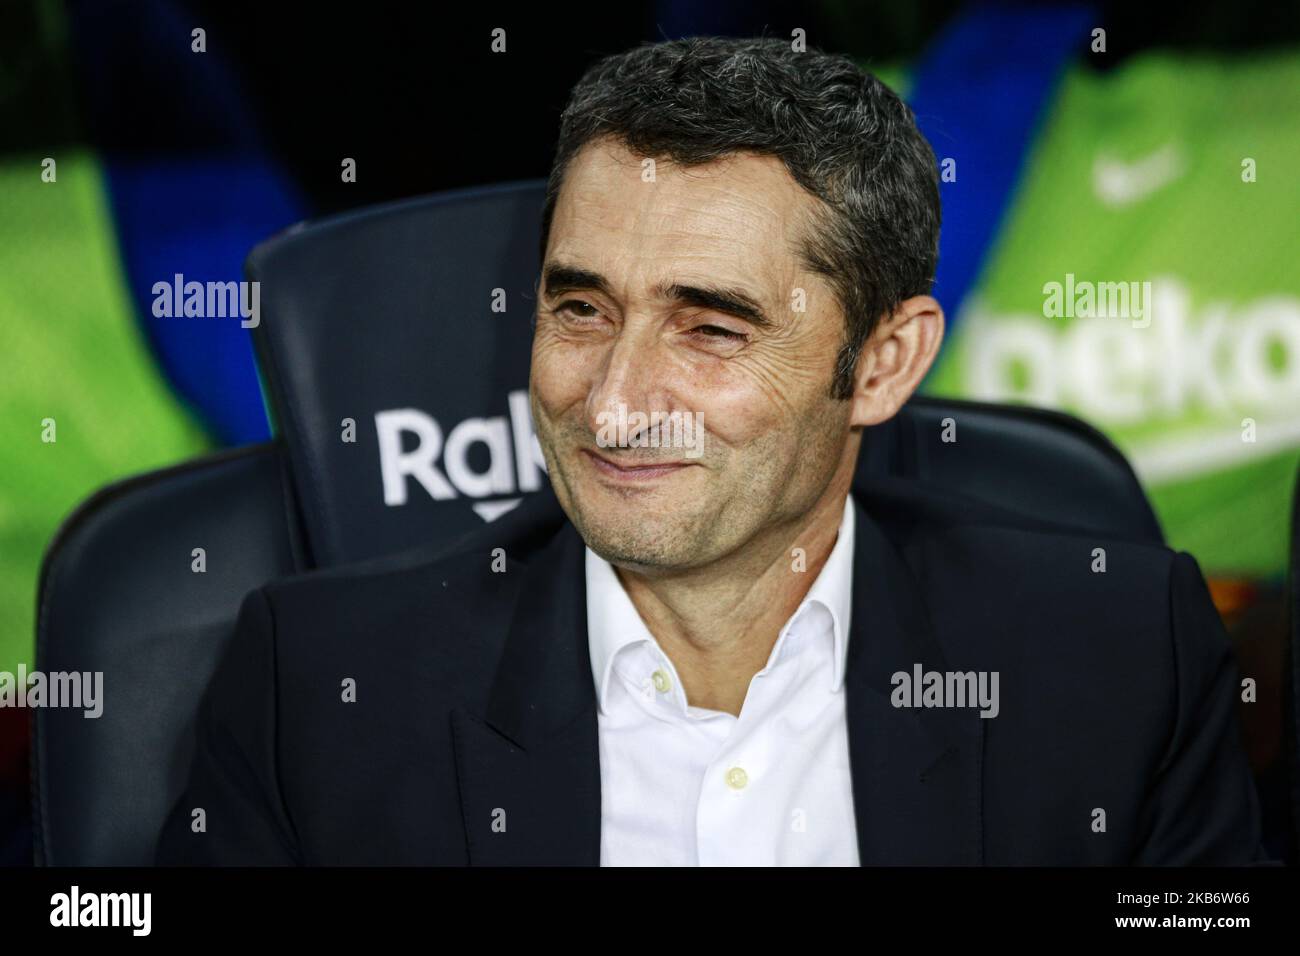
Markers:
(895, 359)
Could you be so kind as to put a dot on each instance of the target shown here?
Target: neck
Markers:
(719, 623)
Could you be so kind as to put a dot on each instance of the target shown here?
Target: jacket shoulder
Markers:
(430, 587)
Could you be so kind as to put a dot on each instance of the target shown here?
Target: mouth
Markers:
(634, 473)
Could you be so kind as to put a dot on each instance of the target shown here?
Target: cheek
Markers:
(778, 381)
(738, 409)
(559, 372)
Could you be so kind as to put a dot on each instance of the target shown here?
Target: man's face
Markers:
(684, 294)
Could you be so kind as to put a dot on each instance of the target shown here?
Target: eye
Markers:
(718, 332)
(577, 309)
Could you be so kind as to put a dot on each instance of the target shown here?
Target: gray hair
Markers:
(843, 135)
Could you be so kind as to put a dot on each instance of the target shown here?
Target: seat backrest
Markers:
(394, 346)
(412, 320)
(1040, 463)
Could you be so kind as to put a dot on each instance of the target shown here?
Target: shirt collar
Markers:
(613, 622)
(834, 589)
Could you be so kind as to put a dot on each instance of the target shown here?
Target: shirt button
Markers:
(661, 681)
(737, 778)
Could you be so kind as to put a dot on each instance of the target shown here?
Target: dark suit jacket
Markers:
(475, 703)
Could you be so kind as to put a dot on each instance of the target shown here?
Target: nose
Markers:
(632, 378)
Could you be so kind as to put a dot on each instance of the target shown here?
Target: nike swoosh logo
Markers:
(1117, 183)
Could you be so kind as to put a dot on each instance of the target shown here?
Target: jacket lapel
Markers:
(916, 771)
(529, 768)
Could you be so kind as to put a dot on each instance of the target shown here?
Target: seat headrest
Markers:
(394, 347)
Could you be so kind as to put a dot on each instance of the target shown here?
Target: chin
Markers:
(624, 540)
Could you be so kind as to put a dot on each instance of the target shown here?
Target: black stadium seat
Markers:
(118, 595)
(379, 326)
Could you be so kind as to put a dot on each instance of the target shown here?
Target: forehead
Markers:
(740, 217)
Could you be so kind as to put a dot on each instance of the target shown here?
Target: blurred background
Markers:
(1163, 148)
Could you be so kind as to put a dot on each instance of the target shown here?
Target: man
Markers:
(701, 649)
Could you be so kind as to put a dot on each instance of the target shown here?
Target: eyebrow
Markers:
(729, 301)
(561, 278)
(558, 278)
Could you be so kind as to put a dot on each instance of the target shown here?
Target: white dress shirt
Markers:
(686, 786)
